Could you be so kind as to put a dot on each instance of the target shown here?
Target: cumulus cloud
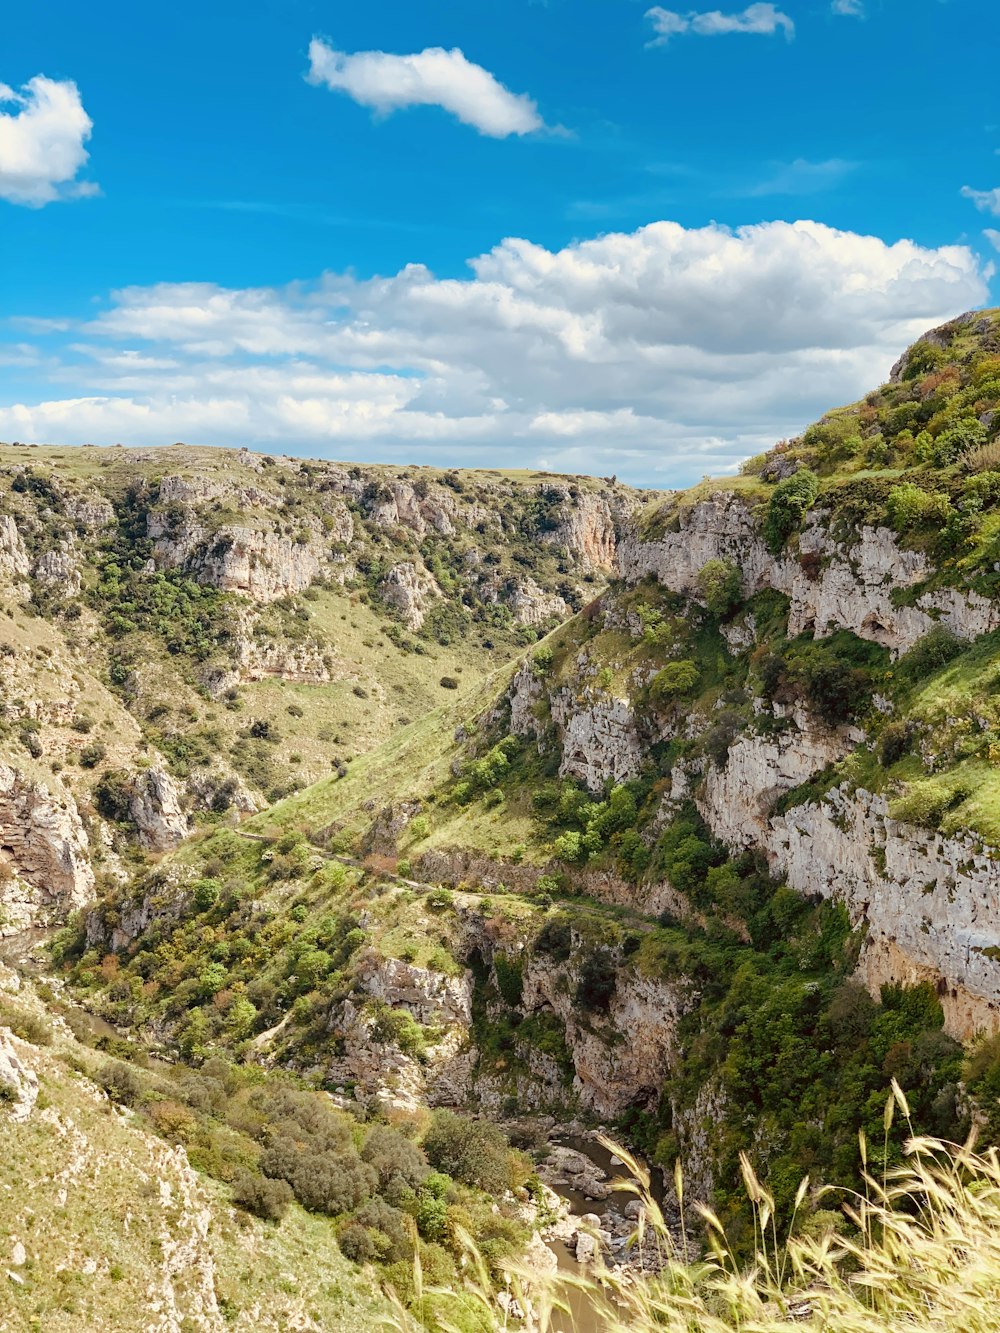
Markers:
(987, 201)
(659, 354)
(433, 77)
(41, 142)
(761, 19)
(992, 236)
(854, 9)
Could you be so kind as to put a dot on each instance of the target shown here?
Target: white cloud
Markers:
(854, 9)
(802, 177)
(987, 201)
(433, 77)
(992, 236)
(659, 354)
(761, 19)
(41, 142)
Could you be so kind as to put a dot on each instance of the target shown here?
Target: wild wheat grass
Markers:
(921, 1252)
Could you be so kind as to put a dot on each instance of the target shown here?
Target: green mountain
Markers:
(704, 846)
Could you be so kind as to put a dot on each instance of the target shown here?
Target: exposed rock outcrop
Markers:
(45, 849)
(587, 528)
(155, 805)
(931, 903)
(599, 738)
(17, 1076)
(833, 585)
(14, 562)
(411, 592)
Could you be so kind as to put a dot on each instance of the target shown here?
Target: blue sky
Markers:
(269, 238)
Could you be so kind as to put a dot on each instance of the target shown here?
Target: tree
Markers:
(472, 1151)
(720, 585)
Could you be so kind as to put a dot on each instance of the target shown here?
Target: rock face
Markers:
(625, 1059)
(736, 801)
(588, 530)
(155, 805)
(18, 1076)
(14, 562)
(596, 730)
(45, 849)
(382, 1072)
(59, 569)
(260, 565)
(834, 585)
(931, 903)
(411, 592)
(600, 742)
(532, 605)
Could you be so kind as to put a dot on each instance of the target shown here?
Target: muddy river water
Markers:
(581, 1316)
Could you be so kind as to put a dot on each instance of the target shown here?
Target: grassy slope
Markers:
(114, 1230)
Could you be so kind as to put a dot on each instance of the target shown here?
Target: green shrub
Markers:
(266, 1198)
(673, 681)
(597, 982)
(475, 1152)
(787, 507)
(397, 1160)
(555, 939)
(399, 1027)
(121, 1083)
(541, 660)
(359, 1244)
(935, 650)
(569, 846)
(92, 754)
(388, 1227)
(924, 802)
(510, 979)
(894, 742)
(205, 894)
(720, 585)
(113, 796)
(25, 1024)
(909, 507)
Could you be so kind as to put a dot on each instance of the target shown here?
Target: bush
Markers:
(394, 1157)
(92, 754)
(359, 1245)
(26, 1025)
(569, 846)
(389, 1228)
(720, 585)
(262, 1196)
(448, 683)
(113, 795)
(205, 894)
(399, 1027)
(510, 979)
(924, 802)
(541, 660)
(676, 679)
(893, 743)
(787, 507)
(909, 506)
(597, 982)
(936, 649)
(555, 939)
(472, 1151)
(121, 1083)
